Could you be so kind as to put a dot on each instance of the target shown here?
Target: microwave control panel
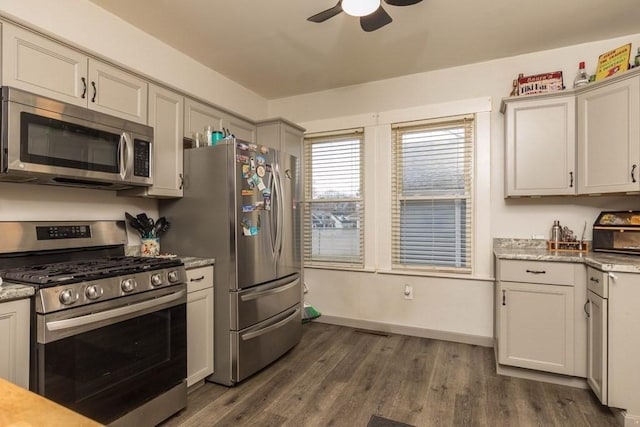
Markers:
(141, 158)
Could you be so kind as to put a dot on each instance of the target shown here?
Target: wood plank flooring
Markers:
(340, 376)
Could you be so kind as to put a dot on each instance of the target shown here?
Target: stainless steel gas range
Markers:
(108, 331)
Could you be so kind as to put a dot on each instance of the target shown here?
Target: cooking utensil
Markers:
(135, 223)
(165, 227)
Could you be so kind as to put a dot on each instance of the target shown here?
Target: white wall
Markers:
(90, 28)
(441, 303)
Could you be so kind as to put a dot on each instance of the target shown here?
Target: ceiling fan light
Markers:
(360, 7)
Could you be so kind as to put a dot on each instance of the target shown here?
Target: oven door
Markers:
(105, 363)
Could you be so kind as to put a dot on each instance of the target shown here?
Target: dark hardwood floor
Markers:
(340, 376)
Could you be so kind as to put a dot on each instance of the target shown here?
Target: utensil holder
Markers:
(150, 247)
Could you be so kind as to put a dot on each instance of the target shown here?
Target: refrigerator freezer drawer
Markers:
(260, 345)
(254, 305)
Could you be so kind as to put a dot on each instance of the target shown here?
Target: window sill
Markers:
(458, 276)
(340, 267)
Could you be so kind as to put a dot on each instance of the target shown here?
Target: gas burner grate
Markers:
(78, 271)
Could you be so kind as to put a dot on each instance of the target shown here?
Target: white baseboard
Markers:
(407, 330)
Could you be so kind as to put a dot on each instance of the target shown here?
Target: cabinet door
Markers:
(242, 129)
(166, 117)
(199, 335)
(282, 136)
(536, 326)
(540, 146)
(597, 341)
(14, 342)
(116, 92)
(609, 138)
(198, 116)
(39, 65)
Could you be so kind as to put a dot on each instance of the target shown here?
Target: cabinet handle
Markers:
(95, 91)
(197, 279)
(537, 271)
(570, 179)
(84, 87)
(181, 181)
(504, 297)
(586, 304)
(633, 171)
(593, 279)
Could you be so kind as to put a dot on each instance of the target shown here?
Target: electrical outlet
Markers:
(408, 292)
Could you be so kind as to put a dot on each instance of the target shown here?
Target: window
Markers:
(334, 208)
(431, 195)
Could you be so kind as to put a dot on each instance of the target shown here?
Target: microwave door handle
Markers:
(127, 154)
(121, 149)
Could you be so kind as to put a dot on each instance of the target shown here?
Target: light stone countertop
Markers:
(9, 291)
(536, 252)
(195, 262)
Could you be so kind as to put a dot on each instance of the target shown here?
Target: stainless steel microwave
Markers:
(45, 141)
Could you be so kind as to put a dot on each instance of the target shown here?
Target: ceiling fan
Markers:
(372, 15)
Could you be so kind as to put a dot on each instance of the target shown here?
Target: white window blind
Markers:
(334, 208)
(431, 195)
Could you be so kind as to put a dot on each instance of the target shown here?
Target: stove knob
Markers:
(156, 279)
(68, 297)
(93, 291)
(128, 285)
(173, 276)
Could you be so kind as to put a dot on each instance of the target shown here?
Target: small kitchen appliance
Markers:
(618, 232)
(108, 330)
(44, 141)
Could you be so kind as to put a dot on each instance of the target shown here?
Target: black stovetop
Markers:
(53, 274)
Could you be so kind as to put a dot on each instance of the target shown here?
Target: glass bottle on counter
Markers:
(582, 78)
(636, 61)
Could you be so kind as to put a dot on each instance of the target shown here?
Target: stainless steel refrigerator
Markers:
(240, 206)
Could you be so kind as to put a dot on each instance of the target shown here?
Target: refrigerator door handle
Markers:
(272, 291)
(273, 237)
(279, 219)
(255, 334)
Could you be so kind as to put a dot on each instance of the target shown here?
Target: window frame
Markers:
(398, 197)
(309, 201)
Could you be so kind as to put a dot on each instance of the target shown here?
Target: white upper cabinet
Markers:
(197, 116)
(540, 146)
(116, 92)
(166, 118)
(609, 137)
(281, 135)
(242, 129)
(40, 65)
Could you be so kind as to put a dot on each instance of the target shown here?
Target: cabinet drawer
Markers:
(598, 282)
(554, 273)
(199, 278)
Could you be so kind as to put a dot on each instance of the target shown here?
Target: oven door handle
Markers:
(120, 313)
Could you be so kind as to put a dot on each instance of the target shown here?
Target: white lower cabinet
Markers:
(536, 328)
(540, 322)
(597, 345)
(614, 347)
(199, 324)
(14, 342)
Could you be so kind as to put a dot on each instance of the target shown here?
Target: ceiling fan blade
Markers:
(329, 13)
(402, 2)
(375, 20)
